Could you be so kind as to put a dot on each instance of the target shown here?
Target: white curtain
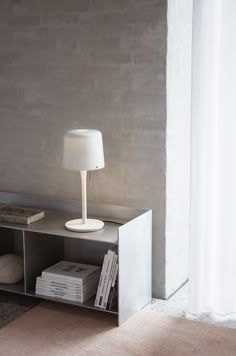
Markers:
(213, 158)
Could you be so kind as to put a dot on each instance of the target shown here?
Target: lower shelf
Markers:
(20, 289)
(14, 288)
(89, 304)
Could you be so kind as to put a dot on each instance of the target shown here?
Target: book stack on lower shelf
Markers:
(107, 292)
(69, 281)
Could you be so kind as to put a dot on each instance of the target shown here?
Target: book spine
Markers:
(21, 219)
(51, 295)
(35, 217)
(112, 301)
(54, 292)
(47, 286)
(110, 256)
(67, 279)
(107, 292)
(64, 281)
(43, 285)
(57, 278)
(13, 219)
(96, 304)
(59, 284)
(115, 275)
(113, 290)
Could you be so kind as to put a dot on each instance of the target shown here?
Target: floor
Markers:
(56, 329)
(12, 306)
(177, 306)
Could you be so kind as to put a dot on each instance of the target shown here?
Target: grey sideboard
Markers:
(46, 242)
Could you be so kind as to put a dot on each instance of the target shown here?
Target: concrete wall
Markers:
(178, 142)
(67, 64)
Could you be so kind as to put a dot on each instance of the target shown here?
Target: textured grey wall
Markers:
(101, 64)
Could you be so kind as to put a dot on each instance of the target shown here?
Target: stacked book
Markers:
(20, 215)
(106, 297)
(69, 281)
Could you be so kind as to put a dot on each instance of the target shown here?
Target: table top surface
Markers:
(54, 224)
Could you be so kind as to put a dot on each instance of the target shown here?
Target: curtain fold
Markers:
(213, 158)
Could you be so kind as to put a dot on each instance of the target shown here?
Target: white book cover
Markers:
(99, 289)
(107, 292)
(110, 256)
(70, 271)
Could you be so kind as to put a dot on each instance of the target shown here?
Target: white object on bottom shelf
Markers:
(71, 272)
(11, 269)
(69, 280)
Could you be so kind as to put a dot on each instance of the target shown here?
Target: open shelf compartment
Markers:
(89, 304)
(44, 250)
(11, 242)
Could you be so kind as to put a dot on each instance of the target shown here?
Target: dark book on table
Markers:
(20, 215)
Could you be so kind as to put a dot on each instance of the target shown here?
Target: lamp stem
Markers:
(84, 195)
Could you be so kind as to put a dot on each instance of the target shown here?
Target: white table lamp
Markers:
(83, 151)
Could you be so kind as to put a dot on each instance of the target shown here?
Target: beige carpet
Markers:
(60, 330)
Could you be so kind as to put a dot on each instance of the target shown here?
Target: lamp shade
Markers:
(83, 150)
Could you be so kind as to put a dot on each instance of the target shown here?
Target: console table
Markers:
(46, 241)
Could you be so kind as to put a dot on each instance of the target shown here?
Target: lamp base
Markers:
(78, 226)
